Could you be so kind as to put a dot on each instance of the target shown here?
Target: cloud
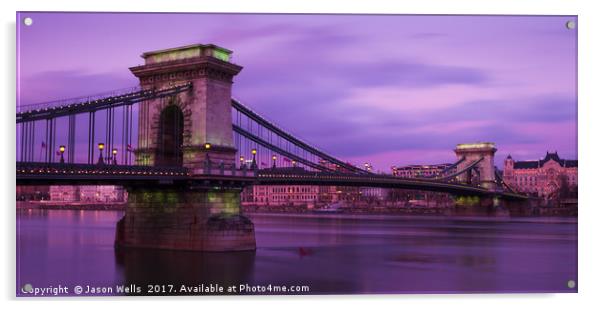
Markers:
(427, 35)
(347, 131)
(401, 74)
(539, 109)
(409, 74)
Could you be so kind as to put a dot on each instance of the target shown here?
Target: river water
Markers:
(315, 254)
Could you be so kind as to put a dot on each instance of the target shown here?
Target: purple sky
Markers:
(383, 89)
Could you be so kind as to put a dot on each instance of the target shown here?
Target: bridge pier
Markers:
(188, 129)
(493, 205)
(185, 219)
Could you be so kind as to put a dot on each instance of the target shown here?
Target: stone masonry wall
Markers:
(185, 220)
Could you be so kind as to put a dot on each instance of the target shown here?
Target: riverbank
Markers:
(537, 211)
(69, 206)
(378, 210)
(413, 218)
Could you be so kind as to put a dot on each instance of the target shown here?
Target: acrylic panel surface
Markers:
(199, 154)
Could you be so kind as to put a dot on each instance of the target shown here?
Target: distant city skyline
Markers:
(388, 89)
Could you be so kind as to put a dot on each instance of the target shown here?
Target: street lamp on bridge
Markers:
(114, 156)
(207, 146)
(274, 161)
(101, 146)
(62, 150)
(254, 163)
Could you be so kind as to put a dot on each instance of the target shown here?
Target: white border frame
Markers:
(589, 148)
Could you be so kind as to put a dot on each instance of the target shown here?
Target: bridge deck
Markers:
(29, 173)
(35, 173)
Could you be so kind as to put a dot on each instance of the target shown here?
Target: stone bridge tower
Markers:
(186, 129)
(486, 168)
(174, 130)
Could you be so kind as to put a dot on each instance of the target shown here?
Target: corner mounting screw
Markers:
(570, 24)
(571, 284)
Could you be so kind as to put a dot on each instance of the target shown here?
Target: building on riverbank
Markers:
(33, 193)
(280, 195)
(548, 177)
(417, 197)
(297, 195)
(374, 194)
(420, 170)
(88, 194)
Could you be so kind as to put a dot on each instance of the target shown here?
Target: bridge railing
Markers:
(210, 168)
(58, 169)
(272, 173)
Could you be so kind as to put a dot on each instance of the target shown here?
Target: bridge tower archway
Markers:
(170, 137)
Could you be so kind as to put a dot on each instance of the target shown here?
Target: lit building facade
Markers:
(33, 193)
(417, 171)
(280, 195)
(64, 193)
(544, 177)
(297, 195)
(370, 193)
(88, 194)
(417, 197)
(336, 194)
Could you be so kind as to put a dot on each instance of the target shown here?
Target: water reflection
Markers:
(332, 254)
(144, 267)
